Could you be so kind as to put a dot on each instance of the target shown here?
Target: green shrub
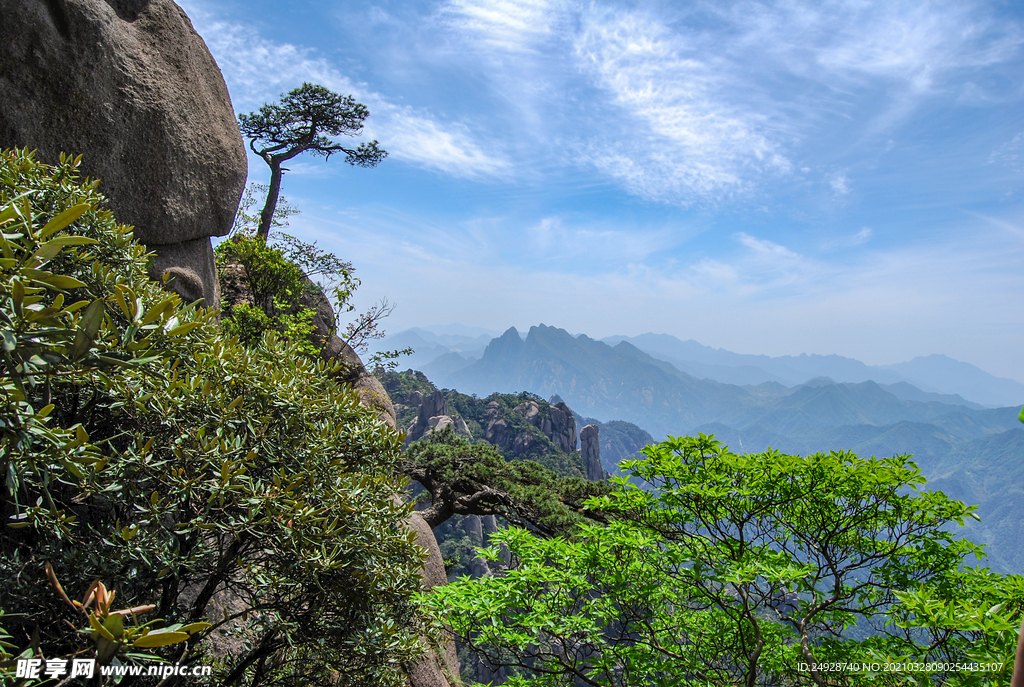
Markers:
(144, 447)
(277, 286)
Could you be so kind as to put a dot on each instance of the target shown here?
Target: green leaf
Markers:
(88, 327)
(115, 625)
(183, 328)
(192, 628)
(160, 638)
(63, 219)
(61, 282)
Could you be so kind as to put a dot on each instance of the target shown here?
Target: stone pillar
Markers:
(590, 448)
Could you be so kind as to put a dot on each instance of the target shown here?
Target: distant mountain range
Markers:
(933, 373)
(441, 351)
(933, 408)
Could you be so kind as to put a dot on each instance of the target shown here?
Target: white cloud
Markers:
(767, 249)
(700, 103)
(424, 142)
(682, 140)
(709, 113)
(861, 236)
(838, 183)
(849, 241)
(507, 25)
(258, 70)
(587, 247)
(899, 51)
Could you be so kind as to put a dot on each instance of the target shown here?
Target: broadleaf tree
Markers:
(761, 569)
(304, 121)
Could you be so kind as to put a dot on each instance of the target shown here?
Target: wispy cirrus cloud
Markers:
(718, 100)
(764, 268)
(679, 138)
(516, 26)
(1010, 154)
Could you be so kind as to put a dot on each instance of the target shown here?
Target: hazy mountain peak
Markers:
(819, 381)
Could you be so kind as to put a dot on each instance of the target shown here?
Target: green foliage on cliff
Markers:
(747, 569)
(277, 287)
(143, 447)
(402, 383)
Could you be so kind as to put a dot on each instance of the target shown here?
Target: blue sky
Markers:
(820, 177)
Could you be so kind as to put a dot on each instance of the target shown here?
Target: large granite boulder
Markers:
(432, 417)
(130, 86)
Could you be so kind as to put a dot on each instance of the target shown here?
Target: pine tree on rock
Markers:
(304, 121)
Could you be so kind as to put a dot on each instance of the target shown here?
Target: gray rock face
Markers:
(499, 433)
(371, 391)
(190, 270)
(474, 530)
(530, 410)
(563, 427)
(432, 416)
(590, 447)
(558, 424)
(433, 405)
(130, 86)
(432, 670)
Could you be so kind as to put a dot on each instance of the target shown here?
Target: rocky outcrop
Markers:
(433, 669)
(473, 527)
(590, 448)
(563, 427)
(497, 430)
(432, 416)
(371, 392)
(130, 86)
(557, 424)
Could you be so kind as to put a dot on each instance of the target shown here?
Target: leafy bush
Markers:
(287, 278)
(277, 286)
(144, 447)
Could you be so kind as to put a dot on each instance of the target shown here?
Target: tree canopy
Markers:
(304, 121)
(762, 569)
(463, 478)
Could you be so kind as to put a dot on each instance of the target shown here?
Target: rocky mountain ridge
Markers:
(521, 426)
(958, 444)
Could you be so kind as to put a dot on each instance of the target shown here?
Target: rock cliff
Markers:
(522, 426)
